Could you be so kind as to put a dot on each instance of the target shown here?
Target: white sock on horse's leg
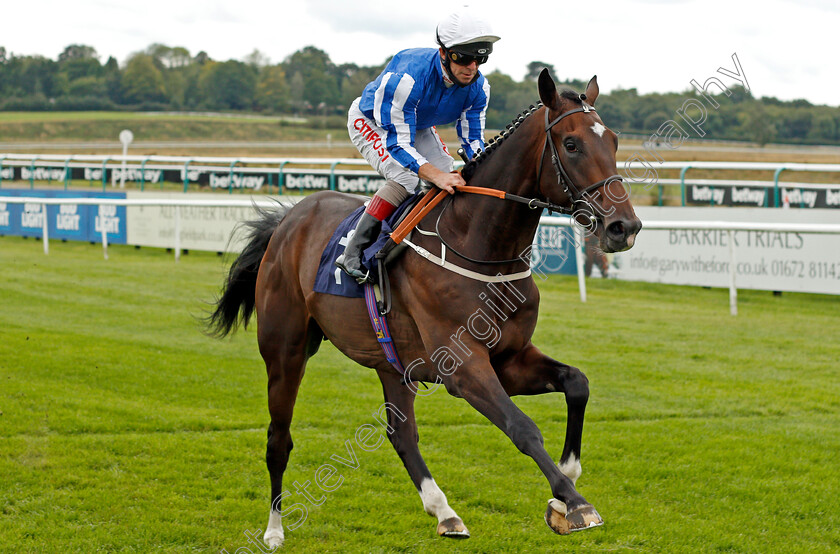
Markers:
(274, 532)
(434, 501)
(571, 468)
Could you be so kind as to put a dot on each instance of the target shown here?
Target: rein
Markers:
(464, 256)
(533, 203)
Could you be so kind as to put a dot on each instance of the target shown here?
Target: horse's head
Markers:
(578, 166)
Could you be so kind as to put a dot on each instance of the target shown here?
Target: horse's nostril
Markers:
(616, 229)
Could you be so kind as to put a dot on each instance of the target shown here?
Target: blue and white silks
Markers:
(411, 95)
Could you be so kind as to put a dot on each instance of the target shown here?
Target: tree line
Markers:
(308, 83)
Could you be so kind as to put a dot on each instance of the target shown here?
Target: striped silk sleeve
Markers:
(395, 110)
(471, 124)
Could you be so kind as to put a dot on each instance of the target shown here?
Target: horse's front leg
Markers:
(479, 385)
(531, 372)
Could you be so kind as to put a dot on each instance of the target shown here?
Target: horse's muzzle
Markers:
(620, 234)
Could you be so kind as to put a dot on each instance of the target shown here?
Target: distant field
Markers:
(31, 127)
(70, 127)
(123, 428)
(221, 135)
(129, 116)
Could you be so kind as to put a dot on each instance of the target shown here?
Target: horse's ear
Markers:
(548, 91)
(592, 90)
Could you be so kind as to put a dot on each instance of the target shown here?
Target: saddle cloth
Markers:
(331, 280)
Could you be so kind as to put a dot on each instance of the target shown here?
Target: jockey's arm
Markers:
(440, 179)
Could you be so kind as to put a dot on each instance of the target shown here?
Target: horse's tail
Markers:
(237, 298)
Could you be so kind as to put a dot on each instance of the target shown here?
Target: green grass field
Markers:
(124, 429)
(127, 116)
(45, 127)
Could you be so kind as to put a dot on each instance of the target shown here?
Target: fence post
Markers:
(67, 172)
(1, 169)
(230, 176)
(177, 233)
(776, 186)
(32, 173)
(105, 174)
(143, 174)
(332, 175)
(281, 179)
(682, 184)
(45, 226)
(733, 291)
(104, 232)
(578, 238)
(186, 175)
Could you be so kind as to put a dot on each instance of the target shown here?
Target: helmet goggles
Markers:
(466, 59)
(465, 54)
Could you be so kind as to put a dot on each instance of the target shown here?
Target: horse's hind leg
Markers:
(402, 432)
(286, 342)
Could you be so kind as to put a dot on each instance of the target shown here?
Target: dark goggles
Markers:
(466, 59)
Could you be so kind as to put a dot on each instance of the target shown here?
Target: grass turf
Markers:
(124, 429)
(45, 127)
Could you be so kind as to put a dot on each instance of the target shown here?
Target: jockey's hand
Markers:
(449, 181)
(441, 179)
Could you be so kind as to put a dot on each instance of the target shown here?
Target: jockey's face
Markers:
(463, 73)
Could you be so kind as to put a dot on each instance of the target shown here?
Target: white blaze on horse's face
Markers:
(598, 129)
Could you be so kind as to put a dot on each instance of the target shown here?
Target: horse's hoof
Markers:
(273, 540)
(584, 517)
(564, 523)
(453, 528)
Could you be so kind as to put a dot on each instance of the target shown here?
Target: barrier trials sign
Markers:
(784, 261)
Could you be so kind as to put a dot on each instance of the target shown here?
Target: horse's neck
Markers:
(488, 228)
(497, 230)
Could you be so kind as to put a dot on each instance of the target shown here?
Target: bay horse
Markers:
(478, 346)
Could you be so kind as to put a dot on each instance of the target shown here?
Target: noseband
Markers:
(563, 179)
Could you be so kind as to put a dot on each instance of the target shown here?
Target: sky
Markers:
(786, 49)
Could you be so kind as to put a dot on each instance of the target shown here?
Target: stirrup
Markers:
(364, 279)
(355, 274)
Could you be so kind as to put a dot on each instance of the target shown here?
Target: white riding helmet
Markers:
(463, 28)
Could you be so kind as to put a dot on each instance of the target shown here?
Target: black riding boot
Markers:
(367, 230)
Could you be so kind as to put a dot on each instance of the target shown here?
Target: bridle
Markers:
(563, 179)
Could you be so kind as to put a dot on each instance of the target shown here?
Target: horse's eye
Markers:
(571, 146)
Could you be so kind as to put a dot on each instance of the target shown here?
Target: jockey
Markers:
(392, 123)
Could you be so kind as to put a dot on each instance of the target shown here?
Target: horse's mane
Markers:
(491, 146)
(469, 169)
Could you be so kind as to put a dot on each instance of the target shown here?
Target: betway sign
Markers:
(750, 196)
(361, 184)
(223, 181)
